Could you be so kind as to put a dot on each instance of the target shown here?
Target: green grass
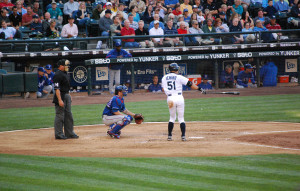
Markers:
(247, 173)
(284, 108)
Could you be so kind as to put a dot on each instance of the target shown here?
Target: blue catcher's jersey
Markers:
(115, 104)
(50, 78)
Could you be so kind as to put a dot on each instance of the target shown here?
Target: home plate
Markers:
(196, 137)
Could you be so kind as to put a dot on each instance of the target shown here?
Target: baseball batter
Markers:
(172, 86)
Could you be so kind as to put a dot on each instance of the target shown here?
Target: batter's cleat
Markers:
(169, 138)
(119, 133)
(112, 135)
(183, 138)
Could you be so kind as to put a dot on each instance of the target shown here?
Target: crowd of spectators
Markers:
(62, 18)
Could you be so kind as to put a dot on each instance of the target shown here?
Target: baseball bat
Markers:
(232, 93)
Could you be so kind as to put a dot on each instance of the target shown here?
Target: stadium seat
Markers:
(50, 45)
(2, 71)
(20, 47)
(68, 44)
(35, 47)
(83, 45)
(6, 47)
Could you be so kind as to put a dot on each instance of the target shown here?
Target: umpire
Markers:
(62, 101)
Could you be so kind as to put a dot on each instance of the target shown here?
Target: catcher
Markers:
(113, 114)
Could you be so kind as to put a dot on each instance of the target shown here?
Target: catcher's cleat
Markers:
(169, 138)
(112, 135)
(183, 138)
(118, 133)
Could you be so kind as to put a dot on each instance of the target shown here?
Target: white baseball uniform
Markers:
(172, 84)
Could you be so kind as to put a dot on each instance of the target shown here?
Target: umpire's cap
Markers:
(173, 67)
(62, 62)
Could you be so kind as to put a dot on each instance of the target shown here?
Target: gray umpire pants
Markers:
(114, 75)
(64, 118)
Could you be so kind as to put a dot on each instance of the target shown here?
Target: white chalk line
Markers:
(268, 146)
(267, 132)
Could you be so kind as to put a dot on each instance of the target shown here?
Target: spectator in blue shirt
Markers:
(227, 78)
(237, 7)
(169, 30)
(205, 84)
(36, 25)
(244, 77)
(7, 32)
(265, 37)
(282, 6)
(171, 3)
(56, 13)
(268, 74)
(155, 87)
(270, 9)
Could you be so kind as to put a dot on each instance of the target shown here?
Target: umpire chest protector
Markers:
(61, 81)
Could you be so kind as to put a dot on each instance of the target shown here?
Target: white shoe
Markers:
(183, 138)
(169, 138)
(27, 95)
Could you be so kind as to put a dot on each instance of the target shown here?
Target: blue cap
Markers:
(248, 66)
(118, 44)
(205, 77)
(41, 69)
(185, 10)
(273, 17)
(48, 67)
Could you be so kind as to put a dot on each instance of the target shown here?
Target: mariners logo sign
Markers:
(80, 74)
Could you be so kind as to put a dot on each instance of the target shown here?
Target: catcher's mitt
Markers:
(138, 118)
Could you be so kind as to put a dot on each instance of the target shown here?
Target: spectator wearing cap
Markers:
(141, 6)
(227, 79)
(186, 15)
(6, 4)
(197, 3)
(205, 84)
(270, 9)
(155, 87)
(114, 70)
(222, 16)
(211, 6)
(244, 77)
(49, 75)
(142, 31)
(108, 6)
(36, 25)
(15, 18)
(27, 17)
(156, 18)
(195, 9)
(128, 31)
(105, 22)
(69, 30)
(3, 16)
(56, 13)
(43, 88)
(156, 30)
(274, 26)
(186, 5)
(70, 7)
(177, 10)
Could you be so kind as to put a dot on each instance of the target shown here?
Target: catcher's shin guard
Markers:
(126, 120)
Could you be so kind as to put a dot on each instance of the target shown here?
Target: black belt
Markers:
(171, 94)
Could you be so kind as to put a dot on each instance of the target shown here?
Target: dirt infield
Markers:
(149, 139)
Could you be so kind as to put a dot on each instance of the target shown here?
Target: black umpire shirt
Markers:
(61, 81)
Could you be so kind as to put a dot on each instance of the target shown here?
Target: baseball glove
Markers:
(138, 118)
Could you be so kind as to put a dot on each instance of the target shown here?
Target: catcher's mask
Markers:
(173, 67)
(122, 89)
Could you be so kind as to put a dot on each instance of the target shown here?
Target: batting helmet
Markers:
(173, 67)
(121, 88)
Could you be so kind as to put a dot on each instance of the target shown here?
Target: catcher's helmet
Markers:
(121, 88)
(173, 67)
